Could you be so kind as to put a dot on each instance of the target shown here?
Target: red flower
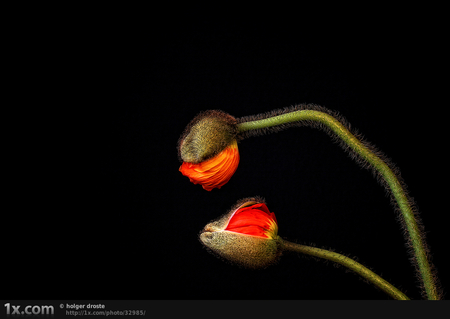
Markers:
(255, 220)
(246, 235)
(214, 172)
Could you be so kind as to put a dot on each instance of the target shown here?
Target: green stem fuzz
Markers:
(347, 262)
(388, 175)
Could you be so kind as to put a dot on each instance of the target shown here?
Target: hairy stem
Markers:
(379, 165)
(347, 262)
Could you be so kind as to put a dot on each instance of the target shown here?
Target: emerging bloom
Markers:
(247, 235)
(208, 149)
(214, 172)
(254, 220)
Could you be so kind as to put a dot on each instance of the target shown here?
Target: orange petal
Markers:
(214, 172)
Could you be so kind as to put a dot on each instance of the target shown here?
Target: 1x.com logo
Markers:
(28, 310)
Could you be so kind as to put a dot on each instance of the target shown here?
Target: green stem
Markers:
(347, 262)
(388, 175)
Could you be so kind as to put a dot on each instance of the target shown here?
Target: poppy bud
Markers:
(246, 235)
(208, 149)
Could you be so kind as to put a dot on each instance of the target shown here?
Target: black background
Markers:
(115, 219)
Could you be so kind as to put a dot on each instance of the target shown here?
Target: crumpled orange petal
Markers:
(214, 172)
(255, 220)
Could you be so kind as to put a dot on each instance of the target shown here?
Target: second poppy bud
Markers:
(247, 235)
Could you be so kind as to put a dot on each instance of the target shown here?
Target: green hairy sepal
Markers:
(206, 135)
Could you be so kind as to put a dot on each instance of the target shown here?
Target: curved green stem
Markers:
(347, 262)
(388, 175)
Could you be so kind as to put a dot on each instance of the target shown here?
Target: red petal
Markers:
(215, 172)
(255, 220)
